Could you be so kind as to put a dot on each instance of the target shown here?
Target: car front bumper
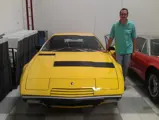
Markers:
(71, 101)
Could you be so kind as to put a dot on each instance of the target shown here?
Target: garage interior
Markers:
(24, 24)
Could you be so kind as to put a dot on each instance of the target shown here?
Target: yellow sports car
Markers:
(71, 69)
(112, 51)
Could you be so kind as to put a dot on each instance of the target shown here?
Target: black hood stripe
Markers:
(44, 54)
(83, 64)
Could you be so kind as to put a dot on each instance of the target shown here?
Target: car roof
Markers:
(149, 37)
(74, 33)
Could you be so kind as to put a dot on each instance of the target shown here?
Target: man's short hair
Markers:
(124, 9)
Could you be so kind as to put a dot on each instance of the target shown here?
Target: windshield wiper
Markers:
(69, 48)
(60, 49)
(78, 49)
(89, 49)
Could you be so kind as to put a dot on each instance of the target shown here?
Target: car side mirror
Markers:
(111, 48)
(38, 47)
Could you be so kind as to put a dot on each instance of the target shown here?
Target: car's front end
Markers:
(72, 78)
(58, 81)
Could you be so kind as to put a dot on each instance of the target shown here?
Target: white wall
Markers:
(145, 15)
(11, 19)
(94, 15)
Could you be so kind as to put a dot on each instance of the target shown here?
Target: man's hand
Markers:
(105, 51)
(132, 55)
(108, 45)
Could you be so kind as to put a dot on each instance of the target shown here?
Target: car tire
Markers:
(153, 86)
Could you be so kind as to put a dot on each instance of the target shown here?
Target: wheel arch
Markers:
(149, 69)
(155, 70)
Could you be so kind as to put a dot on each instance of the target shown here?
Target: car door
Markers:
(139, 45)
(141, 59)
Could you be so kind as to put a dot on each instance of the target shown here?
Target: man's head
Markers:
(123, 14)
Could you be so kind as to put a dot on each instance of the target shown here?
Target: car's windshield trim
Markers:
(96, 45)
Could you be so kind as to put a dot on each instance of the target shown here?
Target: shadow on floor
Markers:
(138, 83)
(23, 108)
(141, 88)
(23, 111)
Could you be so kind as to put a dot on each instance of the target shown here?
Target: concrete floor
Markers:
(135, 105)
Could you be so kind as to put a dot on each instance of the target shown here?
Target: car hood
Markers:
(72, 65)
(80, 70)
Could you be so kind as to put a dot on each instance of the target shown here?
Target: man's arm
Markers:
(134, 38)
(109, 43)
(111, 37)
(134, 45)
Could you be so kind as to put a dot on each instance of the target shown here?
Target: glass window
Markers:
(154, 44)
(145, 48)
(139, 43)
(72, 43)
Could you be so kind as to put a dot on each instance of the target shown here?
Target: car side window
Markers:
(139, 43)
(145, 48)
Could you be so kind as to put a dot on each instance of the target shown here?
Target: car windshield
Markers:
(73, 43)
(155, 47)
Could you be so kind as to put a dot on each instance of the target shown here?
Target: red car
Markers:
(145, 63)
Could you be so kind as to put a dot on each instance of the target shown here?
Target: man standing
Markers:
(124, 33)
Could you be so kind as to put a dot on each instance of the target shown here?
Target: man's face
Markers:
(123, 15)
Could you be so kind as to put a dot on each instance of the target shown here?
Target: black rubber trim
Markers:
(71, 98)
(44, 54)
(83, 64)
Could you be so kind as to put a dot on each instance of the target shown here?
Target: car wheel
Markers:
(153, 86)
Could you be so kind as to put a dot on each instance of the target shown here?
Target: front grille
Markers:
(72, 92)
(60, 102)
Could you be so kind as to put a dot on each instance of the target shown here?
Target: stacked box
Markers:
(24, 43)
(5, 70)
